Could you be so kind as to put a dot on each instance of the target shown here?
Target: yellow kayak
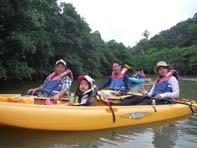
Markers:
(26, 114)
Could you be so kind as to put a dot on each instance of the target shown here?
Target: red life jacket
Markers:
(162, 84)
(167, 77)
(53, 76)
(121, 74)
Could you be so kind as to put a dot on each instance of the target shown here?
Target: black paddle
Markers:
(153, 98)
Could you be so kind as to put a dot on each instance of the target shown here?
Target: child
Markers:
(85, 94)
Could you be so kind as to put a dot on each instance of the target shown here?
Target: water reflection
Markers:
(189, 79)
(136, 87)
(165, 137)
(188, 132)
(156, 134)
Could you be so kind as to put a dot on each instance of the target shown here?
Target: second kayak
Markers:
(137, 81)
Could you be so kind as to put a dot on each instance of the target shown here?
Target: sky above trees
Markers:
(126, 20)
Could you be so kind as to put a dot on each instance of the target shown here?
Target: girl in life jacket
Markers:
(85, 94)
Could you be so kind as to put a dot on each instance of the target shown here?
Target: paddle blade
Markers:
(127, 66)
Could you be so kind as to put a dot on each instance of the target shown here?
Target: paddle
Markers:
(127, 66)
(167, 100)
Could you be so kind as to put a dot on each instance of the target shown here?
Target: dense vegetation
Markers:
(36, 33)
(182, 59)
(177, 46)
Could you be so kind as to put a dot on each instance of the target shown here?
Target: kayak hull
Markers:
(81, 118)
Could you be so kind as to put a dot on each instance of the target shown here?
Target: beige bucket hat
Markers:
(161, 64)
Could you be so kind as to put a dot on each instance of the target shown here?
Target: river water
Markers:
(177, 133)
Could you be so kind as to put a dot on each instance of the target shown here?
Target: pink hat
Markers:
(87, 78)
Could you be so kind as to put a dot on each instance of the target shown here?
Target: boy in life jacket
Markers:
(56, 84)
(118, 81)
(85, 94)
(166, 86)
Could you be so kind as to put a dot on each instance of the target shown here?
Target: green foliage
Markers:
(3, 73)
(182, 59)
(20, 70)
(36, 33)
(146, 34)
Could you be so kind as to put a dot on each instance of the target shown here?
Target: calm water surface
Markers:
(177, 133)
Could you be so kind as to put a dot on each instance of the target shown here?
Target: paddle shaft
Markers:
(165, 99)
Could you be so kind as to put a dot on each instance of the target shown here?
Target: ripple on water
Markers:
(187, 131)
